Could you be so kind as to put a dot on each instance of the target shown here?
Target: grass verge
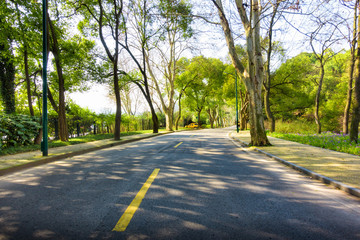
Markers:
(72, 141)
(328, 140)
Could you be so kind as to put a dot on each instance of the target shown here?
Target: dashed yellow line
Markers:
(178, 144)
(134, 205)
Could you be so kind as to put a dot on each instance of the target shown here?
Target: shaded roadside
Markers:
(336, 168)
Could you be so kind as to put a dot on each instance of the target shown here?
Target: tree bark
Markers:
(351, 74)
(253, 76)
(317, 98)
(354, 126)
(7, 79)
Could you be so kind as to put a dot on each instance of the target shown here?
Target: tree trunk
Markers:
(7, 79)
(179, 114)
(355, 119)
(317, 99)
(348, 101)
(27, 79)
(63, 130)
(118, 104)
(269, 114)
(351, 74)
(253, 77)
(169, 117)
(199, 121)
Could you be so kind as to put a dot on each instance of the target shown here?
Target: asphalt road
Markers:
(207, 188)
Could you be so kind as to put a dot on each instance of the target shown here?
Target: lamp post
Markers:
(44, 143)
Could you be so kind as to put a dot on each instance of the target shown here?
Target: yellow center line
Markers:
(178, 144)
(134, 205)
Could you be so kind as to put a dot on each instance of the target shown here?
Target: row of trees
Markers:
(142, 43)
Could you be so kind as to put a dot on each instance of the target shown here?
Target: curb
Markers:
(329, 181)
(54, 158)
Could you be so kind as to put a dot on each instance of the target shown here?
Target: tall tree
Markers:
(175, 21)
(353, 42)
(254, 74)
(141, 11)
(355, 119)
(7, 66)
(107, 16)
(323, 36)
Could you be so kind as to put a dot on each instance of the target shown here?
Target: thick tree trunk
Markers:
(253, 77)
(317, 99)
(169, 118)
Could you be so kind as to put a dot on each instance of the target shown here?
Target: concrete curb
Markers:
(54, 158)
(339, 185)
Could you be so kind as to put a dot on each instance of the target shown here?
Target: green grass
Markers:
(328, 140)
(72, 141)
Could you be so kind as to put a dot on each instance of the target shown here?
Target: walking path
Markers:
(339, 169)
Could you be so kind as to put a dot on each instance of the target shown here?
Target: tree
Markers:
(7, 67)
(254, 74)
(142, 24)
(272, 47)
(201, 81)
(102, 16)
(324, 36)
(355, 119)
(353, 43)
(175, 21)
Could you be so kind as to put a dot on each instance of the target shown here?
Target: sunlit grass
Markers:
(333, 141)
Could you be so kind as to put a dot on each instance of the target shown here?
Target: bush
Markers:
(295, 126)
(17, 130)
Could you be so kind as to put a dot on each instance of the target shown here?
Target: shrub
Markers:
(17, 130)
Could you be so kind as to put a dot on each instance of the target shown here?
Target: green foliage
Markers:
(295, 126)
(178, 16)
(17, 130)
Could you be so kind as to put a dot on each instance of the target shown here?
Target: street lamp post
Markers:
(44, 143)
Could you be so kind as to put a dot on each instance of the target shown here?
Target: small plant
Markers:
(17, 130)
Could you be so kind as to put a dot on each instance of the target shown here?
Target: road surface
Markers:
(185, 185)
